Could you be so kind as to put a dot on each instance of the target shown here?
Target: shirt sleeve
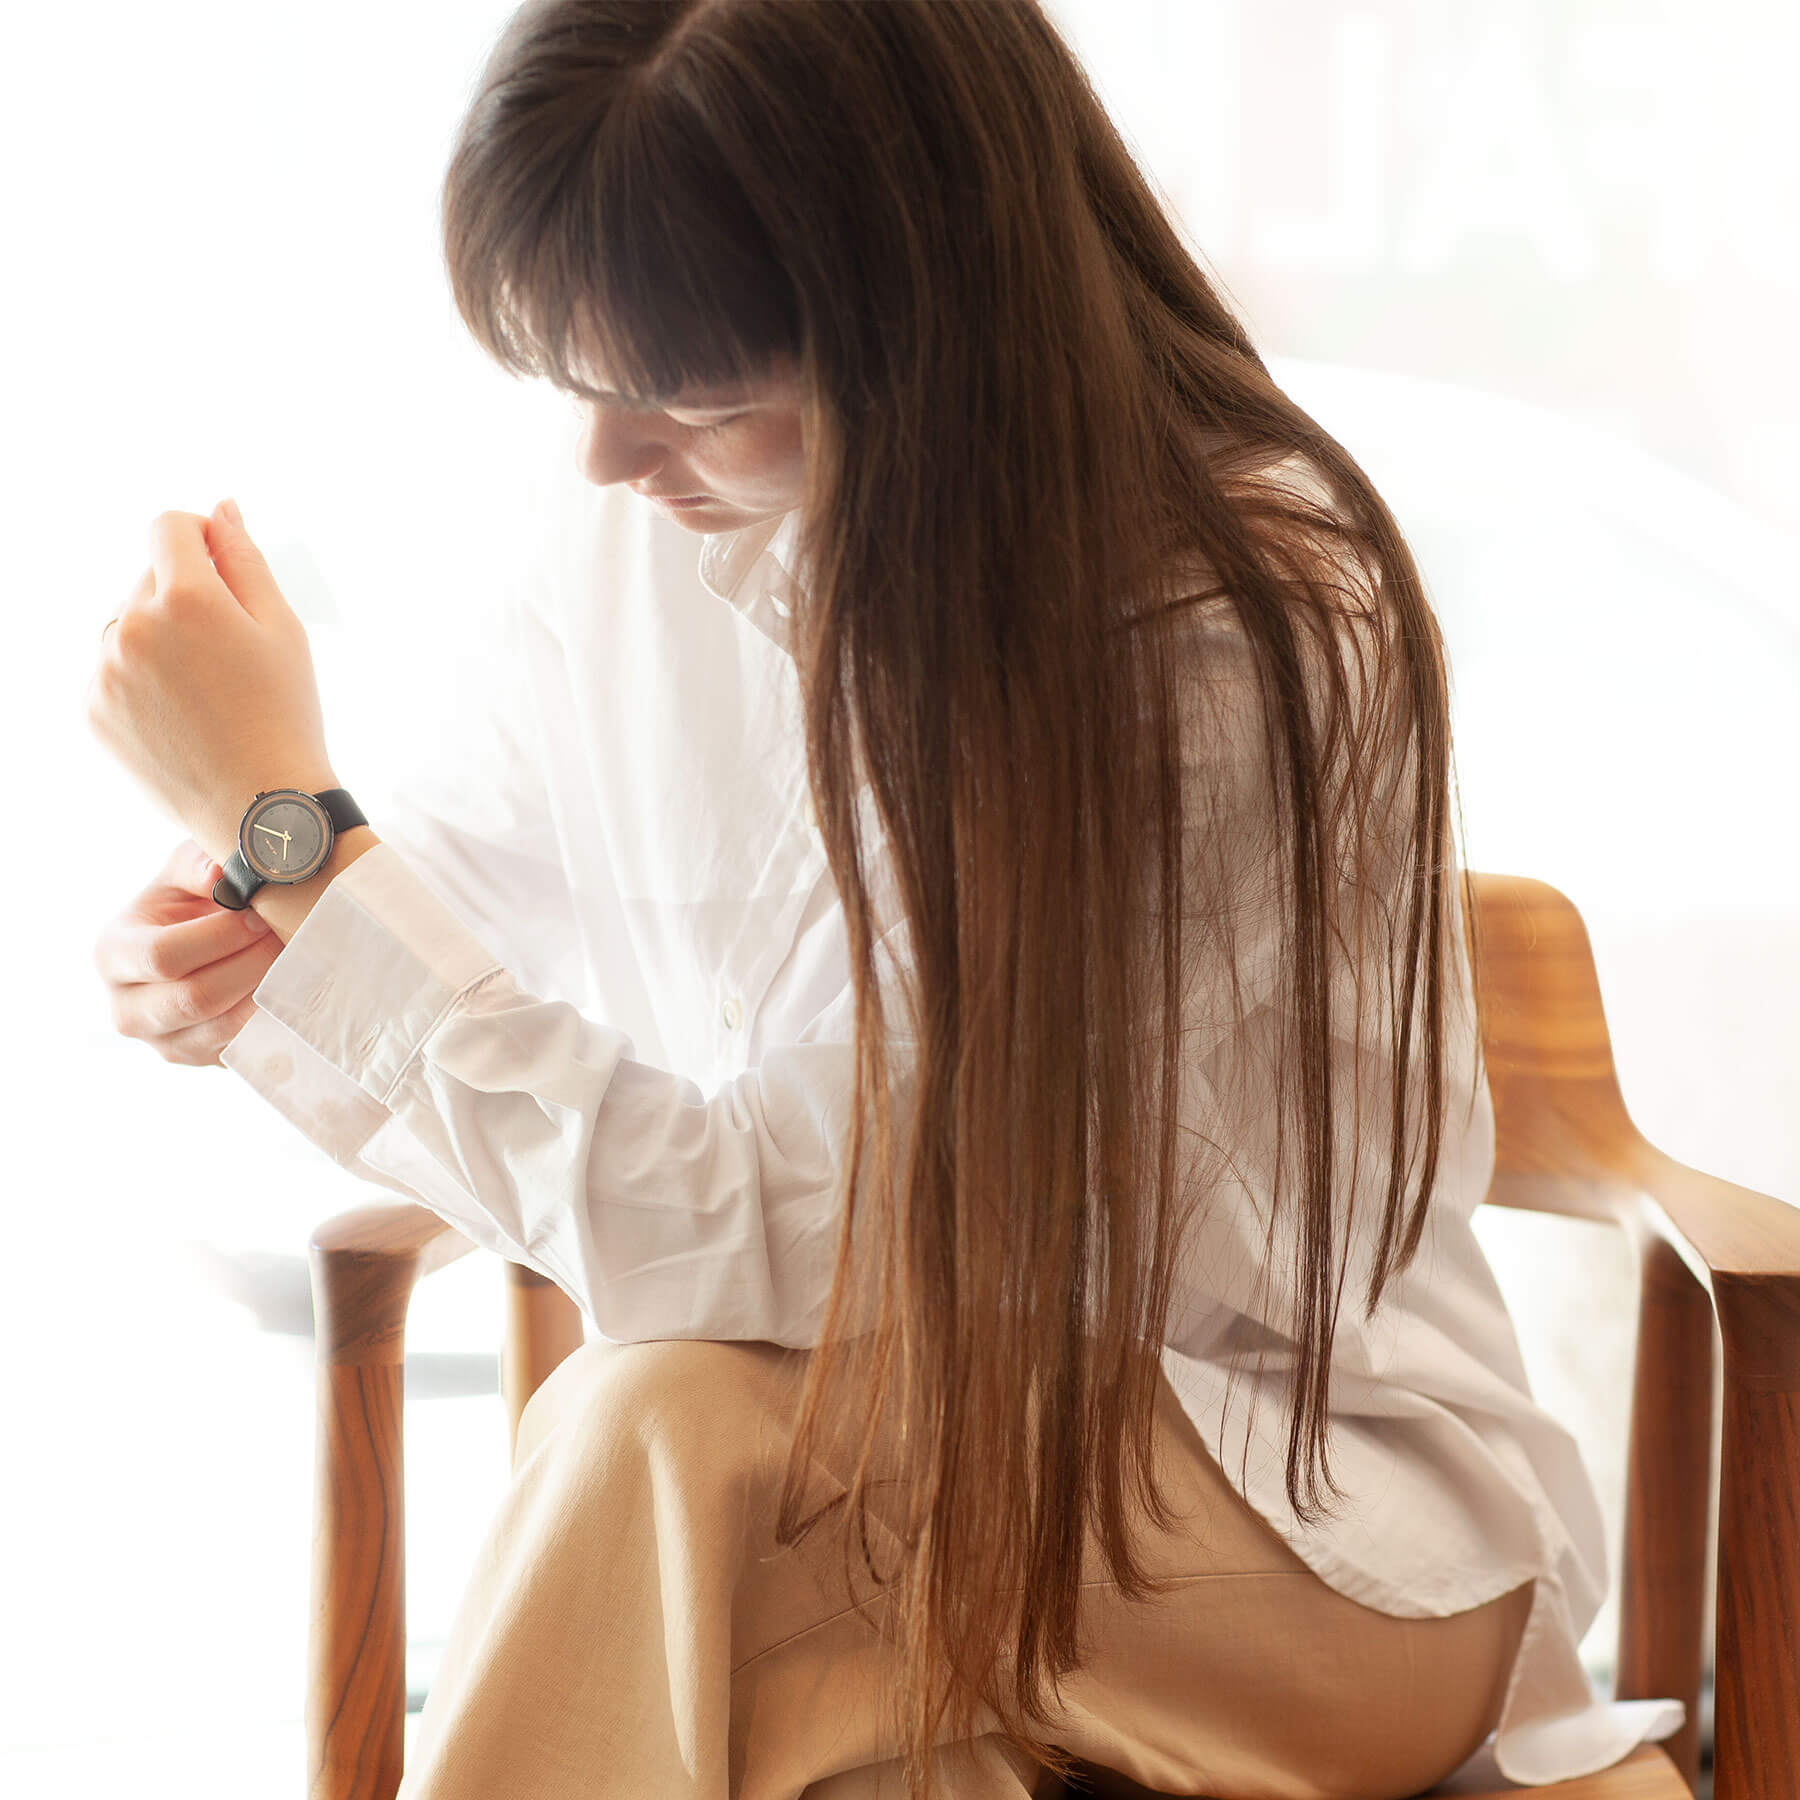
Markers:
(409, 1053)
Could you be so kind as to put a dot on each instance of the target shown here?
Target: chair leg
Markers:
(356, 1644)
(1756, 1694)
(356, 1639)
(1662, 1592)
(543, 1325)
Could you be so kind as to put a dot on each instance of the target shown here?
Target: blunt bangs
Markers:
(610, 243)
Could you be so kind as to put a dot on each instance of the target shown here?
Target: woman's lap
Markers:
(632, 1627)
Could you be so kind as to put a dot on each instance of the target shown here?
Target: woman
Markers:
(1125, 725)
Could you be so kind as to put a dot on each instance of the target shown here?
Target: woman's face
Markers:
(735, 452)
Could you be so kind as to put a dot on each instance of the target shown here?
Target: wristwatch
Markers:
(284, 836)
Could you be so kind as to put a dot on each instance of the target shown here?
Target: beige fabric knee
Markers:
(631, 1628)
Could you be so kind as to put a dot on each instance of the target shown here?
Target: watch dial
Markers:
(284, 840)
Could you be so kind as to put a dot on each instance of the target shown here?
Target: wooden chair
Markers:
(1707, 1252)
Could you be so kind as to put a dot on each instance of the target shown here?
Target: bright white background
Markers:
(1533, 263)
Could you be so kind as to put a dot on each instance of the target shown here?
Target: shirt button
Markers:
(732, 1014)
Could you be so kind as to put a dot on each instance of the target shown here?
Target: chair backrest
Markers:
(1559, 1118)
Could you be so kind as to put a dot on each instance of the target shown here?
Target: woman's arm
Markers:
(390, 1035)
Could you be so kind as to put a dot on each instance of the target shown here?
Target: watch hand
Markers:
(273, 832)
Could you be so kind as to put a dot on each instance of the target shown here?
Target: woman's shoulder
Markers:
(1334, 635)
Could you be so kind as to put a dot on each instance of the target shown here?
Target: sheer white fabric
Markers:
(589, 1001)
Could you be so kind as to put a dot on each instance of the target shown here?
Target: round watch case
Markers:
(285, 835)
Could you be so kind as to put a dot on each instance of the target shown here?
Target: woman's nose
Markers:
(615, 448)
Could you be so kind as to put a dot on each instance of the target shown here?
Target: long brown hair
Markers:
(1040, 530)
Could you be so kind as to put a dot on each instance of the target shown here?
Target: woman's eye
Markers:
(709, 424)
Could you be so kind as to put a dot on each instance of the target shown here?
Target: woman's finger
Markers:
(178, 552)
(133, 949)
(155, 1009)
(191, 869)
(198, 1046)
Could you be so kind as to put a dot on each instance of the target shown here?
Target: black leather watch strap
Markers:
(238, 881)
(340, 809)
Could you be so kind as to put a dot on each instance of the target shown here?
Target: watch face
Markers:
(284, 836)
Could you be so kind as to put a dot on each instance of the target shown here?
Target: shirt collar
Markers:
(752, 571)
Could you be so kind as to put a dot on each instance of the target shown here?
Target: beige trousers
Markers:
(632, 1630)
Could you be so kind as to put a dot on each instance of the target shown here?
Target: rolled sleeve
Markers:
(374, 969)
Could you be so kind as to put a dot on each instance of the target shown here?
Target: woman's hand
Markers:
(179, 968)
(205, 689)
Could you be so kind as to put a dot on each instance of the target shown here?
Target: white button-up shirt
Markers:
(589, 1001)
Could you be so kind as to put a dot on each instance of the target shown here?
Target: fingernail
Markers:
(230, 509)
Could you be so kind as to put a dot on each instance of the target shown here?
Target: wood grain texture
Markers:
(1662, 1598)
(356, 1644)
(1756, 1704)
(1646, 1774)
(365, 1264)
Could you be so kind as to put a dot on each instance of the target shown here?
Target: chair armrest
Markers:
(1743, 1246)
(365, 1265)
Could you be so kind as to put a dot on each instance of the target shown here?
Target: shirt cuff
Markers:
(373, 969)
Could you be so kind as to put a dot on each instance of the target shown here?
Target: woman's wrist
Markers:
(285, 904)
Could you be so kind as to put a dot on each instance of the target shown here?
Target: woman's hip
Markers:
(1247, 1674)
